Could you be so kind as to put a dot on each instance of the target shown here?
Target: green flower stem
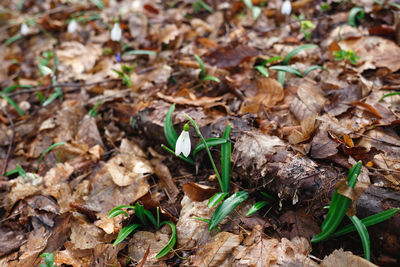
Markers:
(196, 127)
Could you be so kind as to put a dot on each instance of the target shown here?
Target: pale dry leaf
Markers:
(141, 240)
(37, 241)
(72, 256)
(125, 168)
(76, 58)
(168, 33)
(85, 235)
(345, 258)
(22, 188)
(192, 232)
(251, 148)
(216, 250)
(307, 128)
(260, 251)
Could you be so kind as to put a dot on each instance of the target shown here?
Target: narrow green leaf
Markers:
(211, 78)
(93, 111)
(49, 149)
(188, 160)
(57, 93)
(169, 131)
(363, 232)
(117, 210)
(226, 150)
(198, 5)
(213, 141)
(314, 67)
(368, 221)
(203, 70)
(257, 206)
(263, 70)
(297, 50)
(216, 199)
(256, 11)
(15, 86)
(202, 219)
(389, 94)
(98, 3)
(353, 174)
(13, 104)
(171, 243)
(287, 69)
(141, 52)
(272, 59)
(140, 213)
(355, 13)
(12, 39)
(150, 216)
(268, 196)
(226, 207)
(125, 232)
(281, 77)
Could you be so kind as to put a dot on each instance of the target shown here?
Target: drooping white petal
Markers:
(72, 26)
(183, 144)
(286, 8)
(24, 29)
(116, 32)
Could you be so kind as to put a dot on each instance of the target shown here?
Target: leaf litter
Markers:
(293, 138)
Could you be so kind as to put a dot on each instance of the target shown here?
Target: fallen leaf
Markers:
(198, 192)
(231, 56)
(141, 240)
(344, 258)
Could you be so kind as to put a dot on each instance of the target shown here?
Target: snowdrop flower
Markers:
(24, 29)
(72, 26)
(183, 143)
(116, 32)
(286, 8)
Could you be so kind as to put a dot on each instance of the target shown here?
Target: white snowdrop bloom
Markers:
(183, 143)
(24, 29)
(116, 33)
(72, 26)
(286, 8)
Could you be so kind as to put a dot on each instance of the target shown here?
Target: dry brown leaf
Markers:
(72, 256)
(307, 128)
(260, 251)
(88, 132)
(163, 173)
(141, 240)
(192, 232)
(201, 101)
(231, 56)
(125, 168)
(345, 258)
(86, 236)
(374, 51)
(198, 192)
(22, 188)
(216, 250)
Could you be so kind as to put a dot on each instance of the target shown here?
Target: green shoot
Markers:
(256, 207)
(98, 3)
(139, 212)
(49, 149)
(93, 111)
(200, 5)
(226, 207)
(368, 221)
(126, 80)
(255, 10)
(313, 67)
(325, 7)
(18, 169)
(171, 243)
(56, 94)
(297, 50)
(216, 199)
(287, 69)
(263, 70)
(213, 141)
(141, 52)
(363, 232)
(349, 56)
(356, 13)
(389, 94)
(306, 26)
(203, 76)
(48, 259)
(13, 39)
(169, 131)
(118, 210)
(12, 103)
(125, 232)
(226, 150)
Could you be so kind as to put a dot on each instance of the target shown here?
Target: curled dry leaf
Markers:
(198, 192)
(308, 126)
(217, 250)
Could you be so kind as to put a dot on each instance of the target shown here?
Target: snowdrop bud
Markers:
(116, 32)
(24, 29)
(286, 8)
(183, 143)
(72, 26)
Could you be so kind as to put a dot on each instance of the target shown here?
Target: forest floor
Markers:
(86, 87)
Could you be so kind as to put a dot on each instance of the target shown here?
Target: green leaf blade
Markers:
(226, 207)
(216, 199)
(256, 207)
(171, 243)
(213, 141)
(169, 131)
(125, 232)
(226, 150)
(288, 69)
(297, 50)
(363, 232)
